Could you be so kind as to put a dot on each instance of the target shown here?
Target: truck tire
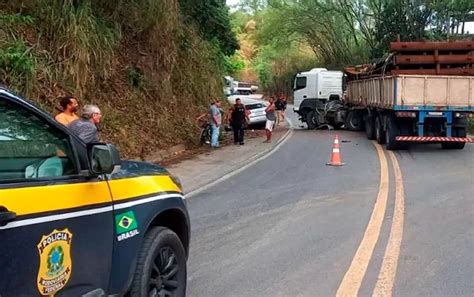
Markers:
(391, 133)
(310, 120)
(379, 132)
(354, 121)
(161, 265)
(457, 132)
(370, 127)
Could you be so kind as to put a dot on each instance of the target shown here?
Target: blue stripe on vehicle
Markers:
(432, 108)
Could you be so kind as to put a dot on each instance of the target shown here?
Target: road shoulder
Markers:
(213, 166)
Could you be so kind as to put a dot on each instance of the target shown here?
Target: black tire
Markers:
(310, 120)
(161, 265)
(379, 132)
(205, 137)
(391, 133)
(457, 132)
(370, 127)
(202, 138)
(354, 121)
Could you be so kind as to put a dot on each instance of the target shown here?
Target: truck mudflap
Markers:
(434, 139)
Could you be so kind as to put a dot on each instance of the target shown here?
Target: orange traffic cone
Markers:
(336, 154)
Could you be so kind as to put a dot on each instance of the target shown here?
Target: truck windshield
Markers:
(300, 83)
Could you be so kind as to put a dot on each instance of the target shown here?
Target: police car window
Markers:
(30, 147)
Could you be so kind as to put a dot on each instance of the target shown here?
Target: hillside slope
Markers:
(149, 71)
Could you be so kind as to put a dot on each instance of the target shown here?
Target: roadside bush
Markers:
(135, 77)
(17, 65)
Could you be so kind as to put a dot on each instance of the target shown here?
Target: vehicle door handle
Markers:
(6, 216)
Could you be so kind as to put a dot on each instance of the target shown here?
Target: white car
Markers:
(255, 107)
(257, 112)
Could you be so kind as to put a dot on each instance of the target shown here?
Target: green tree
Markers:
(234, 64)
(213, 21)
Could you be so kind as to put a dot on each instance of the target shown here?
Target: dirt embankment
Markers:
(149, 72)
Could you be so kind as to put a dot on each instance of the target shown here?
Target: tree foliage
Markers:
(342, 32)
(213, 21)
(234, 64)
(345, 31)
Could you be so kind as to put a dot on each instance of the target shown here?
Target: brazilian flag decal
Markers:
(125, 222)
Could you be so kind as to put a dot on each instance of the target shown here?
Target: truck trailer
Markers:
(413, 95)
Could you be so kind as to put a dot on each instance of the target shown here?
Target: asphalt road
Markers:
(292, 226)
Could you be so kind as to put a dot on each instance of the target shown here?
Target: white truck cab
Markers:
(316, 84)
(228, 85)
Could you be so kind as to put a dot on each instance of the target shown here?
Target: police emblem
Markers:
(55, 262)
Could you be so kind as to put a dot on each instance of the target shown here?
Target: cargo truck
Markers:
(406, 97)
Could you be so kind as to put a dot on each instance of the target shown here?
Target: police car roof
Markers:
(12, 96)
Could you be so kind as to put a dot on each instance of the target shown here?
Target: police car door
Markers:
(56, 228)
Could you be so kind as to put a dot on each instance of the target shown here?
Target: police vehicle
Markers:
(75, 220)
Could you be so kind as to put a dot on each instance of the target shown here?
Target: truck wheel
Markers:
(161, 265)
(379, 133)
(354, 121)
(457, 132)
(369, 127)
(391, 133)
(310, 120)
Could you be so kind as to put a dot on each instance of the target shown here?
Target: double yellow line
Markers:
(354, 276)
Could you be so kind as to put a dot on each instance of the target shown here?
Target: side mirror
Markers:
(103, 158)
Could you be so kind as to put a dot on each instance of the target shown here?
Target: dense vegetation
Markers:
(150, 65)
(280, 37)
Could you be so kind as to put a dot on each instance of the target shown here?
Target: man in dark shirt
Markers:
(282, 104)
(238, 118)
(85, 126)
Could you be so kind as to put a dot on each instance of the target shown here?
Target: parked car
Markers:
(257, 112)
(256, 108)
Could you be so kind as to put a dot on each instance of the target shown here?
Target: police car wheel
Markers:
(161, 265)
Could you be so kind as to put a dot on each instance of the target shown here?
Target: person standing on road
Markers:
(215, 116)
(271, 118)
(279, 110)
(69, 105)
(85, 127)
(283, 106)
(238, 117)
